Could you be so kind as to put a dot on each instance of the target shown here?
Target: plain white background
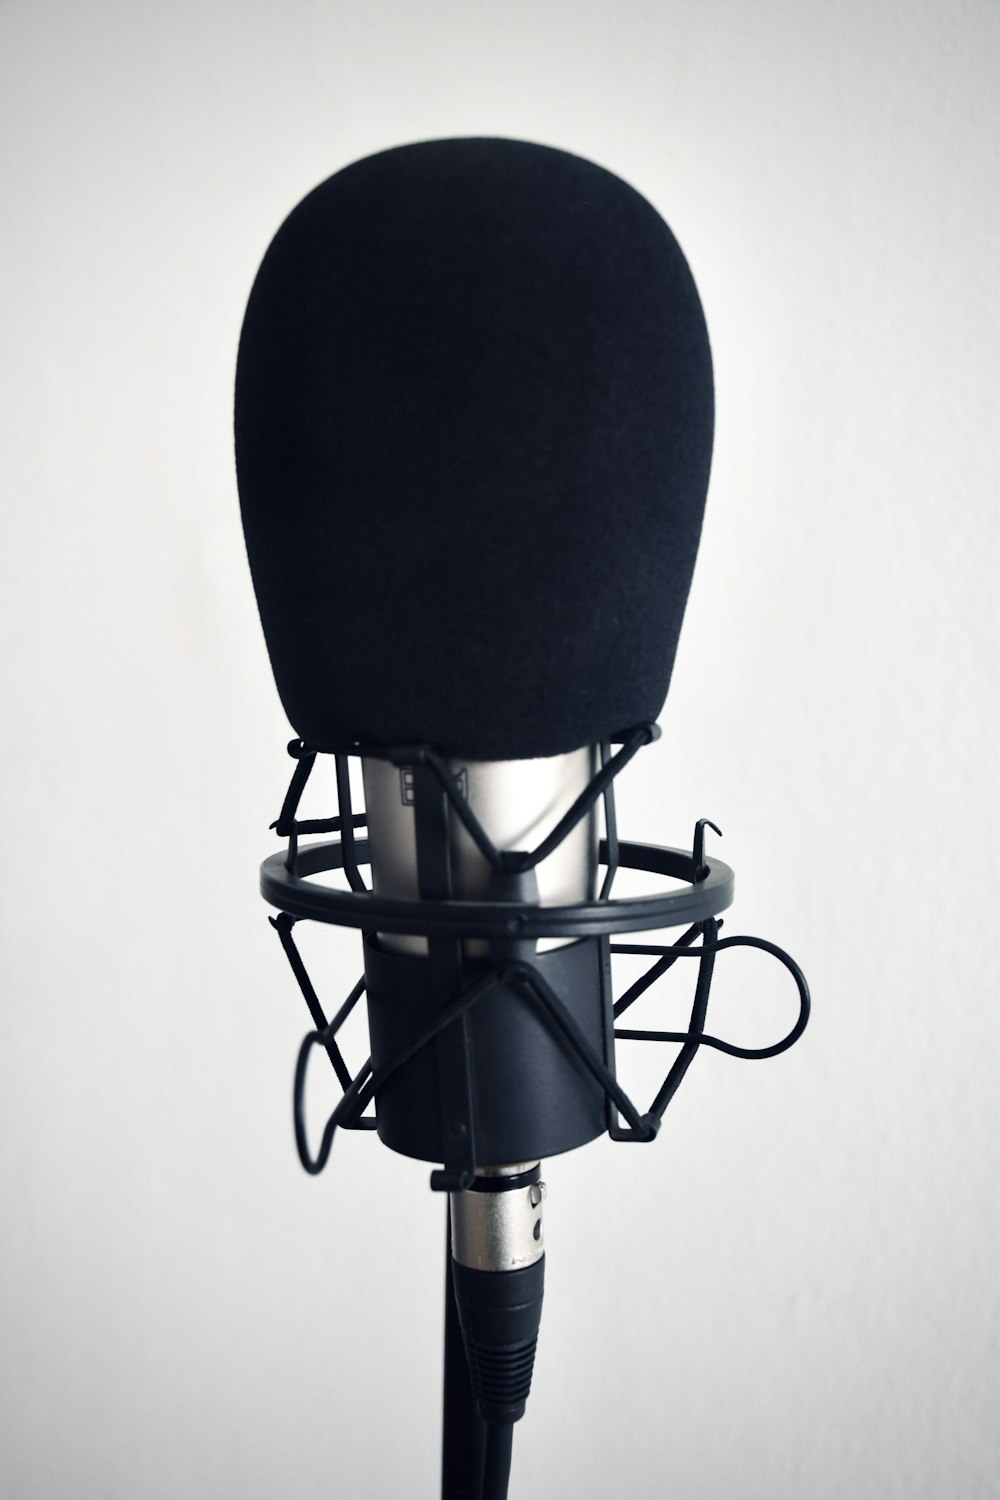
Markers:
(794, 1292)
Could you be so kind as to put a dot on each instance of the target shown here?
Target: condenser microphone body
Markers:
(519, 803)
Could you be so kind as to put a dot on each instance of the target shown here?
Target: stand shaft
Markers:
(464, 1431)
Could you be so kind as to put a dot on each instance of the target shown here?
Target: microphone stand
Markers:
(463, 1428)
(463, 1439)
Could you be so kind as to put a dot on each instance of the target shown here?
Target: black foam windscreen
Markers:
(474, 418)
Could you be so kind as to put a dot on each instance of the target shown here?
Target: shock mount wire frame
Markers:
(511, 926)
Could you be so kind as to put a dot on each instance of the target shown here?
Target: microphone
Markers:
(473, 422)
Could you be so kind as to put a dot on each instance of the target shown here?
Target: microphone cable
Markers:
(496, 1472)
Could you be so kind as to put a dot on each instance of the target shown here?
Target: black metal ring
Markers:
(301, 897)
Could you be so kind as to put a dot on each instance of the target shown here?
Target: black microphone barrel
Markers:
(531, 1097)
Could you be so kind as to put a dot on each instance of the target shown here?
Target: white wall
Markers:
(794, 1293)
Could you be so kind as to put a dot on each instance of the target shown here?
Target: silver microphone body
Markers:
(518, 802)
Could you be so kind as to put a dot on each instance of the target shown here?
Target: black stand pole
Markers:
(464, 1431)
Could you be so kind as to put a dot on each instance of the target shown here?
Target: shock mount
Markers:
(571, 1021)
